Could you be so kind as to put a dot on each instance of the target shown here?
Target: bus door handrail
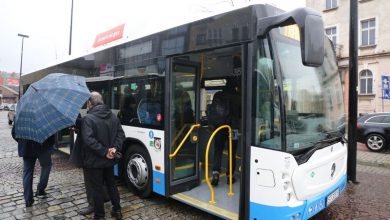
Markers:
(179, 133)
(184, 139)
(230, 193)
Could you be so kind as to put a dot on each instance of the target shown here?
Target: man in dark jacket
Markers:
(102, 136)
(231, 94)
(76, 157)
(31, 151)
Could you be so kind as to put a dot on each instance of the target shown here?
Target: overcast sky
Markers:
(47, 22)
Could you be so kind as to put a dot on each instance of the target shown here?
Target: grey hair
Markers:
(96, 98)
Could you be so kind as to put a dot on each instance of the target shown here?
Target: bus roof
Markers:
(231, 27)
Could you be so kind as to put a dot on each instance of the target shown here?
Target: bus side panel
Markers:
(271, 192)
(153, 140)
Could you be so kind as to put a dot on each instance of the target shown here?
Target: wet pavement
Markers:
(66, 192)
(370, 199)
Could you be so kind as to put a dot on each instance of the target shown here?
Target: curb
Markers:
(373, 159)
(373, 164)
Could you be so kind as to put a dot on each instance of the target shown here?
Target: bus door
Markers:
(184, 111)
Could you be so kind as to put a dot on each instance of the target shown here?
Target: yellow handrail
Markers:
(179, 133)
(230, 193)
(184, 139)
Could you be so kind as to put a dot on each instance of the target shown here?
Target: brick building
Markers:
(373, 51)
(8, 95)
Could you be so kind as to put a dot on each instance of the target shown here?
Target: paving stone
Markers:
(53, 208)
(59, 212)
(70, 214)
(8, 209)
(4, 215)
(78, 218)
(40, 217)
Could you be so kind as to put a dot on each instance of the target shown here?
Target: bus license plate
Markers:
(333, 196)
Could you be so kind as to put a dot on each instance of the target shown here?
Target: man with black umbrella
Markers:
(102, 137)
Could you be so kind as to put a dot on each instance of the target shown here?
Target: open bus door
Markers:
(184, 112)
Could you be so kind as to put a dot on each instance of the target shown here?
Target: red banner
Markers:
(12, 82)
(1, 80)
(109, 36)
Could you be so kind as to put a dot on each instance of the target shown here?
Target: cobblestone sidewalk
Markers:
(67, 195)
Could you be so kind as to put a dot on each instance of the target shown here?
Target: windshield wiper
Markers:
(331, 139)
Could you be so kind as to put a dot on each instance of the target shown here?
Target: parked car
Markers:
(11, 113)
(374, 131)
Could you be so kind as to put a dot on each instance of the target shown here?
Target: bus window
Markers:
(309, 99)
(103, 88)
(267, 126)
(139, 101)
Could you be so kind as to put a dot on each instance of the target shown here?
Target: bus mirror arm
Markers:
(311, 29)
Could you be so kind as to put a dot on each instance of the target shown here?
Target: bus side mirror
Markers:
(311, 29)
(312, 44)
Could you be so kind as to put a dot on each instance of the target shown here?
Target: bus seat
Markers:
(147, 112)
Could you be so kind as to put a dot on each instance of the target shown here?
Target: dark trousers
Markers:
(101, 177)
(89, 191)
(28, 172)
(220, 140)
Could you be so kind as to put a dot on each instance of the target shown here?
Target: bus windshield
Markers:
(312, 99)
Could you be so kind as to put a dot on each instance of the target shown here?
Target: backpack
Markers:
(219, 110)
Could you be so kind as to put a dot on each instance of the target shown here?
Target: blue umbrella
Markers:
(49, 105)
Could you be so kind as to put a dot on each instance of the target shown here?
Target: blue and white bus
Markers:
(291, 157)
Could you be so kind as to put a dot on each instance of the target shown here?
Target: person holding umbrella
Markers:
(48, 106)
(102, 137)
(31, 151)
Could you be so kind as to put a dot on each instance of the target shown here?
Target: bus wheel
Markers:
(138, 170)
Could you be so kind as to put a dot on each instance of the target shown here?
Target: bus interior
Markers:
(196, 78)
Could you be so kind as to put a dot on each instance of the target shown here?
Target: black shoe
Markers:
(228, 180)
(29, 203)
(116, 214)
(86, 211)
(40, 193)
(98, 218)
(215, 179)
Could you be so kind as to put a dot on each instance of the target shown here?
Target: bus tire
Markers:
(138, 171)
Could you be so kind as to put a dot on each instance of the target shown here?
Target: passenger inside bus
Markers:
(231, 93)
(128, 113)
(149, 108)
(184, 113)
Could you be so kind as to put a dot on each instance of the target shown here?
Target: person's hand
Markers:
(112, 152)
(109, 154)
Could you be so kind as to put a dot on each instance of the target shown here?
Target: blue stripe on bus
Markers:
(318, 203)
(159, 186)
(258, 211)
(308, 209)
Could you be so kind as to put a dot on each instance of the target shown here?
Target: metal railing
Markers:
(184, 139)
(230, 193)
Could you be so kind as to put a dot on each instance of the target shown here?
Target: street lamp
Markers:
(21, 61)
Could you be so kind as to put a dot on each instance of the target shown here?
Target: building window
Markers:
(368, 32)
(331, 32)
(330, 4)
(365, 82)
